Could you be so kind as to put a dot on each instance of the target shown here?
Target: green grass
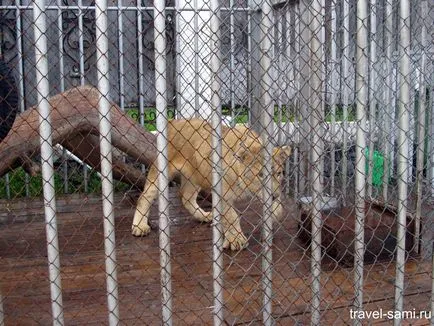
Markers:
(339, 113)
(240, 114)
(17, 183)
(149, 116)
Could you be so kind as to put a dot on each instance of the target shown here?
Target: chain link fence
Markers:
(216, 162)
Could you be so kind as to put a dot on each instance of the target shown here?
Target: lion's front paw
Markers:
(140, 230)
(235, 241)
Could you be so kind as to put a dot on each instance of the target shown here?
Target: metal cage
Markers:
(347, 85)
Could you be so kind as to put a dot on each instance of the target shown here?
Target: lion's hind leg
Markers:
(140, 225)
(189, 193)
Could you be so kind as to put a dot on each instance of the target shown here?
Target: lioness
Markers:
(189, 155)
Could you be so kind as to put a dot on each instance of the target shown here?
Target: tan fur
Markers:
(190, 152)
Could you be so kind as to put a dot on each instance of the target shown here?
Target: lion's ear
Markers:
(280, 154)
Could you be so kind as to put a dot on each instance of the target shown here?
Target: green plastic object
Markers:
(377, 167)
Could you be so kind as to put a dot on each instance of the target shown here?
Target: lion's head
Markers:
(250, 168)
(252, 173)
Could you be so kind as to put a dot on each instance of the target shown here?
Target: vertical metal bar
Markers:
(296, 154)
(305, 91)
(65, 171)
(62, 87)
(421, 124)
(360, 182)
(232, 60)
(140, 62)
(41, 61)
(394, 104)
(102, 62)
(279, 73)
(323, 78)
(333, 97)
(60, 45)
(177, 60)
(276, 40)
(8, 188)
(21, 97)
(80, 41)
(388, 118)
(431, 146)
(346, 93)
(81, 72)
(162, 160)
(249, 64)
(290, 87)
(317, 147)
(297, 94)
(217, 172)
(121, 55)
(196, 58)
(403, 152)
(267, 135)
(372, 93)
(287, 56)
(381, 88)
(412, 120)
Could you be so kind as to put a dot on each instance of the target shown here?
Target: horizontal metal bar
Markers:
(126, 8)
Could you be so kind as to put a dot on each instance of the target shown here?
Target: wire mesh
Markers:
(290, 145)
